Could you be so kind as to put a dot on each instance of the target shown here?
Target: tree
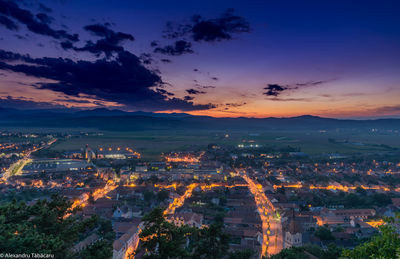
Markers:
(99, 250)
(162, 239)
(291, 253)
(384, 245)
(243, 254)
(106, 230)
(324, 234)
(219, 218)
(361, 191)
(48, 226)
(91, 198)
(281, 190)
(305, 252)
(163, 195)
(210, 242)
(153, 179)
(148, 196)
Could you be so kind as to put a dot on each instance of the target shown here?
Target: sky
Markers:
(221, 58)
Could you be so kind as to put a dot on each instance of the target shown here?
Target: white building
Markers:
(126, 243)
(293, 234)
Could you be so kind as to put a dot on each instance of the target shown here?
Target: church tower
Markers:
(293, 233)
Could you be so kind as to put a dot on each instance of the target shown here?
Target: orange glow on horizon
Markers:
(332, 187)
(283, 109)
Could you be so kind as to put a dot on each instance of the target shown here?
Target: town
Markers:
(266, 200)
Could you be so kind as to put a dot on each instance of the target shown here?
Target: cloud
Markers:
(20, 37)
(209, 30)
(188, 98)
(164, 92)
(146, 58)
(199, 29)
(154, 43)
(44, 8)
(26, 103)
(109, 43)
(395, 109)
(72, 101)
(203, 86)
(8, 23)
(234, 105)
(34, 24)
(278, 99)
(207, 74)
(121, 77)
(274, 89)
(326, 95)
(103, 31)
(312, 83)
(123, 80)
(206, 86)
(165, 60)
(44, 18)
(179, 47)
(194, 91)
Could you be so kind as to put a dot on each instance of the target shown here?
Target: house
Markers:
(232, 221)
(123, 212)
(286, 206)
(388, 211)
(293, 234)
(76, 154)
(396, 202)
(215, 201)
(126, 243)
(121, 227)
(307, 222)
(141, 168)
(329, 220)
(85, 243)
(245, 238)
(188, 218)
(253, 234)
(354, 213)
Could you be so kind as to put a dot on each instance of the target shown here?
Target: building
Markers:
(123, 212)
(188, 218)
(89, 154)
(141, 168)
(354, 213)
(293, 234)
(116, 153)
(126, 243)
(56, 165)
(85, 243)
(75, 154)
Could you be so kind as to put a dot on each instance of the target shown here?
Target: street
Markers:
(271, 225)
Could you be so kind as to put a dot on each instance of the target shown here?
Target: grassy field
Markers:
(152, 143)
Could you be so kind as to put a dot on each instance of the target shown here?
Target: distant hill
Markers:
(105, 119)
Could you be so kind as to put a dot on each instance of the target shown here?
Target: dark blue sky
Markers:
(269, 58)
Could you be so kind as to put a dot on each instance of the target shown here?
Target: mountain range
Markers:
(105, 119)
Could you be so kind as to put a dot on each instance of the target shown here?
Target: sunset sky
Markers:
(220, 58)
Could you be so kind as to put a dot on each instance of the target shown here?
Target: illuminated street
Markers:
(17, 167)
(272, 228)
(199, 129)
(178, 202)
(337, 187)
(97, 194)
